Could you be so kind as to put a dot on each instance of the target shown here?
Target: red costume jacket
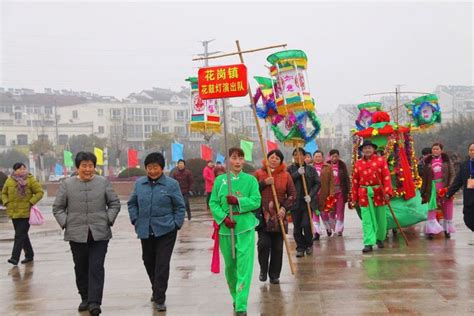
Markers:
(370, 172)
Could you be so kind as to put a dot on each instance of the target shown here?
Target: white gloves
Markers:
(307, 198)
(301, 170)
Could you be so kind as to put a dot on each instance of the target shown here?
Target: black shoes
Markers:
(262, 277)
(26, 260)
(430, 236)
(339, 234)
(329, 232)
(83, 306)
(316, 237)
(367, 249)
(309, 251)
(447, 235)
(380, 244)
(13, 261)
(275, 281)
(94, 310)
(161, 307)
(241, 313)
(299, 254)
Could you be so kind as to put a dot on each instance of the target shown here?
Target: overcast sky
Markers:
(354, 48)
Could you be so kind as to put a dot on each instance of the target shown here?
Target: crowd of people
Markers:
(311, 190)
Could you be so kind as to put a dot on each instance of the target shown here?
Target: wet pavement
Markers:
(429, 277)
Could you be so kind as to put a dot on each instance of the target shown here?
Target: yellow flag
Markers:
(100, 156)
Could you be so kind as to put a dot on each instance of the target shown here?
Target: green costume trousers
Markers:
(374, 221)
(238, 271)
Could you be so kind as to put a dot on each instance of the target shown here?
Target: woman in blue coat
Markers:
(156, 208)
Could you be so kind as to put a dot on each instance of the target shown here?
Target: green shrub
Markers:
(132, 172)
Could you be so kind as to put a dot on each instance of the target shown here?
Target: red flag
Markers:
(132, 158)
(271, 145)
(206, 152)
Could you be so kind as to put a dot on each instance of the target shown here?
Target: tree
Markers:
(79, 143)
(12, 156)
(41, 146)
(159, 141)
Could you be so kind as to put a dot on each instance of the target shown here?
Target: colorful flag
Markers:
(177, 152)
(220, 158)
(68, 162)
(99, 153)
(206, 152)
(247, 147)
(271, 145)
(58, 169)
(311, 147)
(132, 158)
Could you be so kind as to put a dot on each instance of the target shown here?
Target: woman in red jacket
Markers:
(270, 238)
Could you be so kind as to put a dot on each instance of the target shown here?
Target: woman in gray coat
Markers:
(86, 207)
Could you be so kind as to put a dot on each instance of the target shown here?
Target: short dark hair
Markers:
(155, 157)
(18, 165)
(209, 161)
(318, 152)
(218, 163)
(236, 150)
(277, 152)
(182, 160)
(437, 144)
(85, 156)
(334, 151)
(299, 149)
(426, 151)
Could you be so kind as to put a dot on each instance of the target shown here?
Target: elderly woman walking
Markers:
(20, 192)
(156, 209)
(86, 207)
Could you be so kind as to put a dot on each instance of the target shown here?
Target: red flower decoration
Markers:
(330, 202)
(380, 117)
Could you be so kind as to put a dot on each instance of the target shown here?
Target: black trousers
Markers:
(89, 261)
(156, 255)
(22, 240)
(468, 212)
(270, 246)
(186, 202)
(302, 229)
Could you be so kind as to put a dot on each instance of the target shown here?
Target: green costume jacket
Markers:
(18, 206)
(245, 188)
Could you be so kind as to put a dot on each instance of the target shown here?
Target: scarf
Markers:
(21, 183)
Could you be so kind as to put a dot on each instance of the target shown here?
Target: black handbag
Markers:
(261, 220)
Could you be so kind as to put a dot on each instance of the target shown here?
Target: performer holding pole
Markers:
(371, 184)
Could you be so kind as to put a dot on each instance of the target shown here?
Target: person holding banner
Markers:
(244, 200)
(371, 184)
(301, 221)
(270, 238)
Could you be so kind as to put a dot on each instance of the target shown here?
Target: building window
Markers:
(48, 110)
(150, 115)
(6, 109)
(180, 130)
(115, 113)
(17, 115)
(74, 114)
(101, 129)
(180, 115)
(149, 129)
(134, 131)
(3, 140)
(43, 138)
(62, 139)
(22, 139)
(100, 112)
(165, 130)
(165, 115)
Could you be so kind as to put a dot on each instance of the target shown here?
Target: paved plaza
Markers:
(428, 277)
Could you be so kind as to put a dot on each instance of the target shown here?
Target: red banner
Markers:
(222, 82)
(271, 145)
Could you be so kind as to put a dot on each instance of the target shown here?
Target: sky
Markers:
(353, 47)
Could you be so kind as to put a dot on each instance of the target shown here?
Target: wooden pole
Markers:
(240, 52)
(269, 172)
